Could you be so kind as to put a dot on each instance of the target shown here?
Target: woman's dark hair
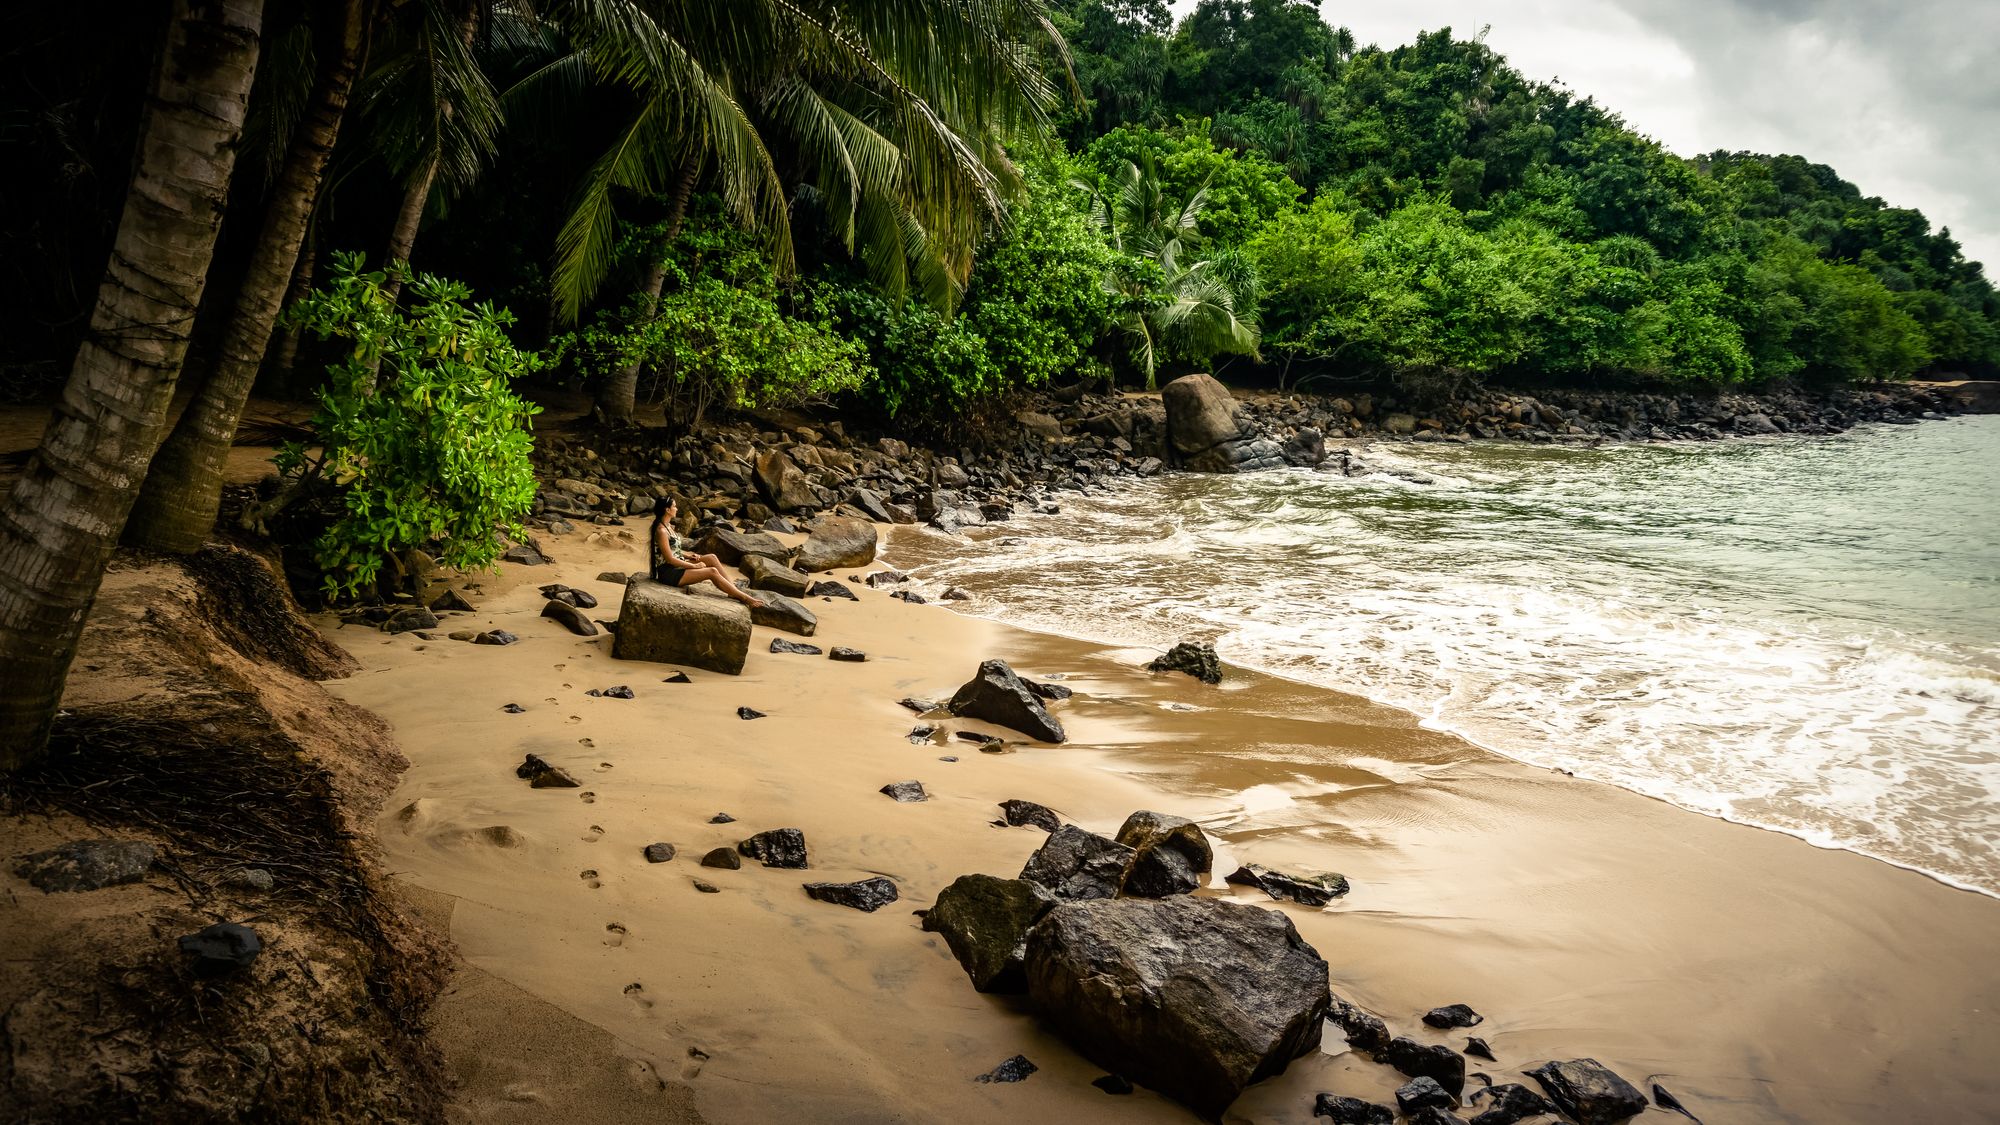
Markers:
(660, 507)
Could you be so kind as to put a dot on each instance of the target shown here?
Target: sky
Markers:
(1901, 98)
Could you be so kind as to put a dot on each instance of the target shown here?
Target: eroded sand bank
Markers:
(1760, 978)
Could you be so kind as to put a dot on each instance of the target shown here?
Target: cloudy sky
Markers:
(1901, 98)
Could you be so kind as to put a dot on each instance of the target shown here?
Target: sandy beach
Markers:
(1756, 977)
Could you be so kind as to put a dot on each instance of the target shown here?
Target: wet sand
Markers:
(1757, 977)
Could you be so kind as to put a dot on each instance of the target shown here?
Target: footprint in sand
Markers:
(587, 797)
(637, 992)
(692, 1068)
(574, 718)
(595, 834)
(552, 699)
(589, 877)
(586, 743)
(602, 766)
(569, 685)
(614, 934)
(560, 667)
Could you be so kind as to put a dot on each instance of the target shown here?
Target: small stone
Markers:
(920, 706)
(659, 853)
(886, 578)
(619, 692)
(725, 858)
(461, 635)
(1021, 814)
(778, 847)
(954, 594)
(908, 596)
(905, 791)
(495, 637)
(1196, 658)
(252, 879)
(524, 555)
(1420, 1061)
(921, 733)
(1112, 1084)
(831, 590)
(1352, 1111)
(847, 655)
(570, 617)
(866, 895)
(88, 865)
(780, 644)
(1453, 1015)
(722, 818)
(1015, 1069)
(1477, 1048)
(222, 948)
(1418, 1093)
(748, 713)
(450, 601)
(615, 577)
(514, 709)
(677, 678)
(1306, 890)
(707, 888)
(410, 619)
(948, 758)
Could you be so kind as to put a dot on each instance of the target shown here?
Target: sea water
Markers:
(1796, 633)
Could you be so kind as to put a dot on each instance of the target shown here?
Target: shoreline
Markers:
(1553, 905)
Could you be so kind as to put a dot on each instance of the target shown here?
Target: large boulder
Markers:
(1200, 415)
(1170, 856)
(784, 484)
(733, 546)
(985, 920)
(1075, 864)
(837, 543)
(770, 574)
(996, 695)
(1196, 998)
(660, 623)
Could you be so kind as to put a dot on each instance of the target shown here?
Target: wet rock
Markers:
(866, 895)
(513, 709)
(1427, 1061)
(571, 618)
(920, 706)
(1477, 1048)
(905, 791)
(1075, 864)
(954, 594)
(722, 818)
(723, 858)
(1132, 984)
(847, 655)
(1365, 1031)
(831, 590)
(619, 692)
(883, 578)
(1113, 1084)
(1419, 1093)
(449, 602)
(662, 624)
(707, 888)
(1453, 1015)
(909, 596)
(837, 543)
(779, 644)
(495, 637)
(1588, 1091)
(222, 948)
(1506, 1104)
(1196, 658)
(920, 734)
(1667, 1101)
(1201, 414)
(1431, 1115)
(770, 574)
(1170, 856)
(1023, 813)
(523, 555)
(779, 847)
(985, 921)
(410, 619)
(733, 546)
(996, 695)
(87, 865)
(677, 678)
(1051, 693)
(749, 713)
(1016, 1069)
(659, 853)
(1306, 890)
(1352, 1111)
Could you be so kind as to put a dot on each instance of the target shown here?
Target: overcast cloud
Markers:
(1901, 98)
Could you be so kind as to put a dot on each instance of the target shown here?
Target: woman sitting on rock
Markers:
(672, 567)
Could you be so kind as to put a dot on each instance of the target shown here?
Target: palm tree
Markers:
(1195, 308)
(887, 117)
(62, 519)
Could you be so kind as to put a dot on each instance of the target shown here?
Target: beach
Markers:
(1754, 976)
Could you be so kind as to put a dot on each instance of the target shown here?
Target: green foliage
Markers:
(1244, 191)
(436, 453)
(1035, 295)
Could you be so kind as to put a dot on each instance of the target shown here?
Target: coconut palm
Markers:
(59, 523)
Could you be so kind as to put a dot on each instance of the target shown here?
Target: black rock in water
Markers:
(780, 644)
(867, 895)
(1453, 1015)
(1477, 1048)
(996, 695)
(954, 594)
(1170, 855)
(659, 853)
(1196, 658)
(1420, 1092)
(513, 709)
(87, 865)
(908, 596)
(1022, 813)
(723, 858)
(570, 617)
(1015, 1069)
(722, 818)
(985, 920)
(1365, 1031)
(495, 637)
(1352, 1111)
(847, 655)
(748, 713)
(1306, 890)
(1112, 1084)
(1588, 1091)
(1509, 1103)
(1075, 864)
(677, 678)
(827, 589)
(222, 948)
(1420, 1061)
(779, 847)
(905, 791)
(1667, 1101)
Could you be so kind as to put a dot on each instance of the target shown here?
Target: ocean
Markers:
(1797, 633)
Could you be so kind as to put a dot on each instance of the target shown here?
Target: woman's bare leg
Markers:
(714, 574)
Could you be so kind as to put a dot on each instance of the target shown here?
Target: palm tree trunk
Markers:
(417, 194)
(285, 353)
(618, 399)
(177, 506)
(60, 522)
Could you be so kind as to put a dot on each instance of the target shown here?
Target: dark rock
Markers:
(867, 895)
(770, 574)
(920, 734)
(910, 596)
(1112, 1084)
(1170, 855)
(495, 637)
(996, 695)
(1022, 813)
(837, 543)
(1306, 890)
(1510, 1103)
(1052, 693)
(883, 578)
(722, 818)
(749, 713)
(1477, 1048)
(1365, 1031)
(556, 591)
(619, 692)
(1432, 1115)
(524, 555)
(1200, 414)
(783, 484)
(541, 775)
(781, 612)
(831, 590)
(222, 948)
(954, 594)
(571, 618)
(871, 504)
(410, 619)
(513, 709)
(779, 847)
(1352, 1111)
(779, 644)
(1588, 1091)
(1196, 658)
(723, 858)
(662, 624)
(1075, 864)
(1418, 1093)
(1420, 1061)
(847, 655)
(906, 791)
(1453, 1015)
(985, 921)
(947, 758)
(677, 678)
(1134, 985)
(1015, 1069)
(659, 853)
(733, 546)
(707, 888)
(615, 577)
(87, 865)
(451, 601)
(1667, 1101)
(920, 706)
(780, 525)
